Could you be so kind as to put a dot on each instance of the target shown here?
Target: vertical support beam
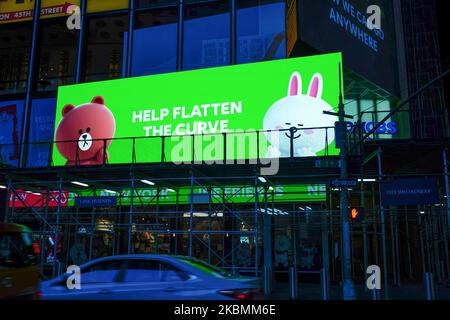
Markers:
(233, 33)
(130, 40)
(267, 238)
(408, 245)
(333, 253)
(191, 215)
(446, 251)
(156, 235)
(8, 197)
(375, 227)
(256, 216)
(325, 255)
(55, 241)
(180, 36)
(393, 252)
(348, 290)
(81, 37)
(397, 260)
(177, 223)
(422, 246)
(447, 189)
(435, 235)
(28, 97)
(383, 228)
(209, 223)
(364, 232)
(130, 215)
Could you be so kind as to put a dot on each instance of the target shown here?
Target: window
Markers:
(152, 271)
(56, 60)
(105, 48)
(102, 272)
(10, 127)
(203, 266)
(383, 109)
(15, 44)
(155, 42)
(206, 35)
(41, 132)
(260, 30)
(154, 3)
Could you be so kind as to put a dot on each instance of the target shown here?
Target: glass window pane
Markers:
(105, 48)
(41, 132)
(103, 272)
(56, 60)
(154, 3)
(367, 111)
(206, 35)
(351, 108)
(15, 44)
(383, 109)
(261, 28)
(10, 127)
(157, 28)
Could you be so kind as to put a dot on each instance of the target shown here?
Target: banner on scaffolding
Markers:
(166, 196)
(402, 192)
(29, 199)
(247, 111)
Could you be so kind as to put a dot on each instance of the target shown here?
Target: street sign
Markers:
(327, 163)
(83, 202)
(409, 192)
(349, 183)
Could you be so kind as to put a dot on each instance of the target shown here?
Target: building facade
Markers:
(229, 216)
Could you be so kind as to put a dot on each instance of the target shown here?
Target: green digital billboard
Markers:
(247, 111)
(229, 194)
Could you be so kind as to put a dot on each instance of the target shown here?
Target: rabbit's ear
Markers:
(295, 85)
(316, 86)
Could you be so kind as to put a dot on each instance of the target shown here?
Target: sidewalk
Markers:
(308, 291)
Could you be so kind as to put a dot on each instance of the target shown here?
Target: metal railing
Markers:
(157, 149)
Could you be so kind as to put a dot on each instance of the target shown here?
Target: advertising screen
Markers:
(248, 111)
(341, 25)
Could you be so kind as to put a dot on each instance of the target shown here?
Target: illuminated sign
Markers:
(385, 128)
(230, 194)
(342, 26)
(30, 199)
(15, 11)
(95, 121)
(152, 196)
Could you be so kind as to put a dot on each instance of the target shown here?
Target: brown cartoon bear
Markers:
(85, 133)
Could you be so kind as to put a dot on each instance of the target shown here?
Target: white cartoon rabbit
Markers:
(298, 113)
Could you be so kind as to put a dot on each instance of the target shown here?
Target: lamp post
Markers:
(348, 290)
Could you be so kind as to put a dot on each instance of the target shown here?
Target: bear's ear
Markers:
(67, 108)
(98, 100)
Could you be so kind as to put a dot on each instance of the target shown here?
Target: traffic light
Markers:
(357, 214)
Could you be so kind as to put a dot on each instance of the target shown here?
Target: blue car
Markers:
(152, 277)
